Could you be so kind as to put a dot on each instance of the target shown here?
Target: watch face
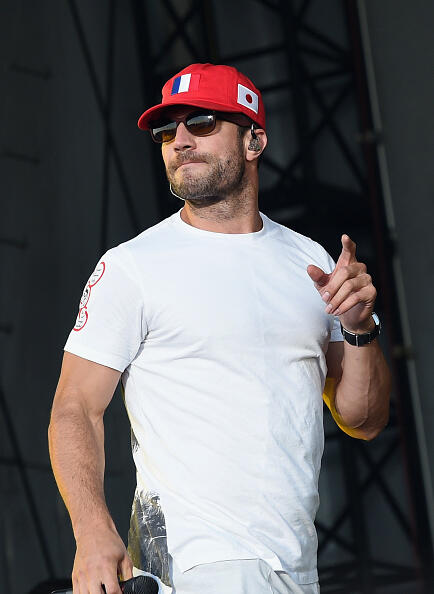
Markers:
(376, 318)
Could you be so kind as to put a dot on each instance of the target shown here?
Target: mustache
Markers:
(189, 157)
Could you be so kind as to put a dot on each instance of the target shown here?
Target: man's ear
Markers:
(255, 146)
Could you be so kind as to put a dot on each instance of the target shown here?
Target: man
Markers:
(224, 325)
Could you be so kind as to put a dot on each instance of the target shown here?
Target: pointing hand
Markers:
(348, 290)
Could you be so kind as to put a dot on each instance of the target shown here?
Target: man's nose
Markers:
(183, 139)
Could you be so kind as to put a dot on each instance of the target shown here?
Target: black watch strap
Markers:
(362, 339)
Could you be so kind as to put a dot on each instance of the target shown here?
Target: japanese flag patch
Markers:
(247, 98)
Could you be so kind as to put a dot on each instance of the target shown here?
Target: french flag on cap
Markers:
(185, 83)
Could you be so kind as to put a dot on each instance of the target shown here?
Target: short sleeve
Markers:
(328, 265)
(110, 325)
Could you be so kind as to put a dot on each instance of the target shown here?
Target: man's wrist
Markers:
(92, 523)
(368, 326)
(366, 335)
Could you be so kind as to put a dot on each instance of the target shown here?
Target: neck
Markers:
(233, 214)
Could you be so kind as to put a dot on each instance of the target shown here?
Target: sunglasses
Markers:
(198, 123)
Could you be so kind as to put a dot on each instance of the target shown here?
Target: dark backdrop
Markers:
(79, 177)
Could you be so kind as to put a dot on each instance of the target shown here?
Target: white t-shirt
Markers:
(221, 339)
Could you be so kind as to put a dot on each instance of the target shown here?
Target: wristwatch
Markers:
(362, 339)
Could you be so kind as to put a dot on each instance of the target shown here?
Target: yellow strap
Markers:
(329, 398)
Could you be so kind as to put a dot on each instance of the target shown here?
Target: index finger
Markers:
(348, 253)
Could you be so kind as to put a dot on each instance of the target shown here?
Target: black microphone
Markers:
(143, 584)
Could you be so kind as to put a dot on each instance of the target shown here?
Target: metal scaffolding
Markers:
(324, 81)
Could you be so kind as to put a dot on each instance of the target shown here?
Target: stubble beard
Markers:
(220, 178)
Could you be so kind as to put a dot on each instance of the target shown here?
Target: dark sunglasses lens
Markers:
(164, 132)
(201, 123)
(198, 124)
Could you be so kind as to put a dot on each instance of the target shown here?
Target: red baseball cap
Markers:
(212, 86)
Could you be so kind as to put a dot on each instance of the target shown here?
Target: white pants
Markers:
(237, 576)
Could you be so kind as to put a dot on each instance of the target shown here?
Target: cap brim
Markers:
(154, 113)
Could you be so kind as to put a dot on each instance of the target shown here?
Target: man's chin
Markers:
(202, 201)
(196, 195)
(199, 196)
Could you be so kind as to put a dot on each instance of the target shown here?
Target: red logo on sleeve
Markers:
(82, 312)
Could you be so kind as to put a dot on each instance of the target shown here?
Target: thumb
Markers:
(319, 277)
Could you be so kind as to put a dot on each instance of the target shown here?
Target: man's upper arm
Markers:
(86, 384)
(334, 356)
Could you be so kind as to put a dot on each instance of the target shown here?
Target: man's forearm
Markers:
(76, 444)
(363, 393)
